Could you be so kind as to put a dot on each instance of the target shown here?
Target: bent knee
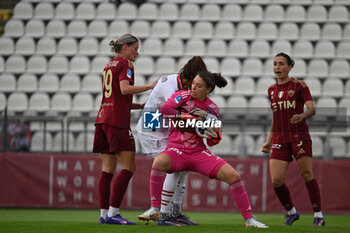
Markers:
(162, 163)
(307, 176)
(157, 164)
(233, 177)
(228, 174)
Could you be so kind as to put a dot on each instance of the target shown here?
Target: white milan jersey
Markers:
(154, 142)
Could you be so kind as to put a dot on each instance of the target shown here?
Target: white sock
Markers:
(180, 189)
(104, 213)
(113, 211)
(168, 192)
(292, 211)
(318, 214)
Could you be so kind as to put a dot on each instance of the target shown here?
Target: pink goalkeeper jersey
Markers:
(184, 102)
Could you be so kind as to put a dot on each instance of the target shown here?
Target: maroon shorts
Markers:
(287, 151)
(109, 139)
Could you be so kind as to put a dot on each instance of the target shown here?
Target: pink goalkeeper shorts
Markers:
(199, 160)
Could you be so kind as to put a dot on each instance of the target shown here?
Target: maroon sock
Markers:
(119, 187)
(104, 187)
(314, 194)
(283, 195)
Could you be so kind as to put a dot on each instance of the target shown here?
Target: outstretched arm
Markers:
(127, 89)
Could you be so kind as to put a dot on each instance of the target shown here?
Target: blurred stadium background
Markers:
(52, 53)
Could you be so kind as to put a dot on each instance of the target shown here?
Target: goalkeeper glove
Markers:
(199, 113)
(196, 113)
(213, 134)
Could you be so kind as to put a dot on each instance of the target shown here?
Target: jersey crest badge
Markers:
(290, 93)
(178, 99)
(164, 78)
(128, 73)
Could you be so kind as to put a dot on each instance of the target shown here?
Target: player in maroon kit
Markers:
(289, 137)
(113, 137)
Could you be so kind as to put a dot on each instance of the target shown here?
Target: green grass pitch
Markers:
(85, 221)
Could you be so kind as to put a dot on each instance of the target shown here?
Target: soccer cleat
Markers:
(101, 220)
(253, 223)
(185, 220)
(290, 218)
(319, 221)
(148, 215)
(166, 220)
(118, 219)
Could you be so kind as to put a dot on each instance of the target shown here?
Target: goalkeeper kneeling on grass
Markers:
(186, 150)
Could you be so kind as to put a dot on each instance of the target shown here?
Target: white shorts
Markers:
(151, 145)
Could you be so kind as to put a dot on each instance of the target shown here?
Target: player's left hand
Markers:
(266, 148)
(198, 113)
(296, 119)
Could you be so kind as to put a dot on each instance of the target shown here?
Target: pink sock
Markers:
(156, 185)
(241, 199)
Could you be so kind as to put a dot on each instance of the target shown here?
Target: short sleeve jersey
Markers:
(287, 100)
(115, 107)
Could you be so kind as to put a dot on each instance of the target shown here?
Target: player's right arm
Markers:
(127, 89)
(171, 107)
(125, 73)
(267, 145)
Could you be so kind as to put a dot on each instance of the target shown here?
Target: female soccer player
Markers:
(289, 137)
(113, 137)
(154, 141)
(186, 150)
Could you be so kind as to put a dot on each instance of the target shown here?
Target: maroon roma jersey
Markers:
(287, 100)
(115, 107)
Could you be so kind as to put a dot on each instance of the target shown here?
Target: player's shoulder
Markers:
(125, 62)
(117, 62)
(272, 86)
(183, 94)
(112, 63)
(167, 84)
(213, 107)
(299, 82)
(167, 80)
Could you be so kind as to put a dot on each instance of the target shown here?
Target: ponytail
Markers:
(212, 79)
(117, 44)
